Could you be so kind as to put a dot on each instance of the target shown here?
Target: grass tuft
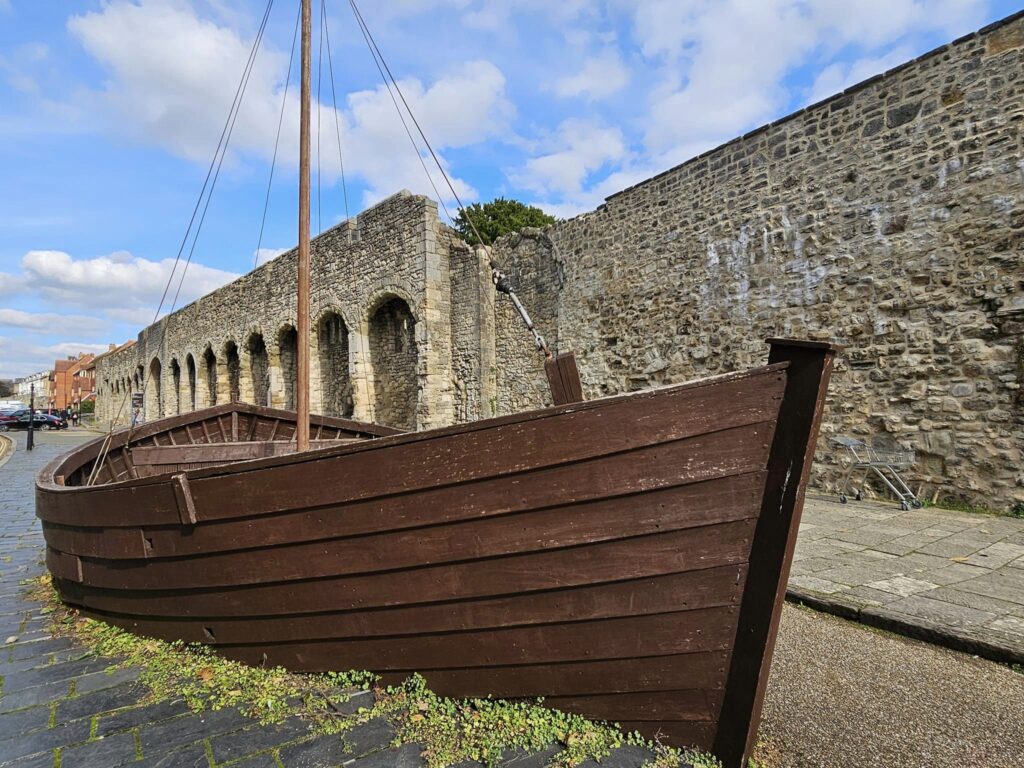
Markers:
(450, 730)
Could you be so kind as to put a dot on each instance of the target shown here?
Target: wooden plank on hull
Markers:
(639, 557)
(651, 673)
(660, 511)
(690, 632)
(563, 378)
(695, 590)
(789, 466)
(690, 704)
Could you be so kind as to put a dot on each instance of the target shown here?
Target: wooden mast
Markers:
(302, 375)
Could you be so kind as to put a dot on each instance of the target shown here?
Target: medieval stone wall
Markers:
(889, 218)
(395, 252)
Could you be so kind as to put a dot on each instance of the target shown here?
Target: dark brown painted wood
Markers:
(649, 469)
(701, 671)
(629, 637)
(789, 466)
(594, 553)
(690, 590)
(633, 558)
(563, 378)
(636, 515)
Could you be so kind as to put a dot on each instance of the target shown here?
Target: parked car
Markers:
(20, 420)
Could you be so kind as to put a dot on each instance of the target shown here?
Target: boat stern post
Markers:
(789, 468)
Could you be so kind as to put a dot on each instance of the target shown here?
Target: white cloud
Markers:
(579, 148)
(174, 89)
(263, 255)
(464, 108)
(841, 75)
(19, 357)
(119, 282)
(600, 77)
(49, 322)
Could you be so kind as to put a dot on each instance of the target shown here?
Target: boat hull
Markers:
(624, 558)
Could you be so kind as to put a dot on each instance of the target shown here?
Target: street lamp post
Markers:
(30, 440)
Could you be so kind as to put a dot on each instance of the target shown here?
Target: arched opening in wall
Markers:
(140, 377)
(176, 384)
(210, 364)
(288, 344)
(259, 369)
(234, 365)
(393, 356)
(156, 406)
(332, 348)
(190, 373)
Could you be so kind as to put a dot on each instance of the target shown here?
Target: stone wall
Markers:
(396, 250)
(889, 218)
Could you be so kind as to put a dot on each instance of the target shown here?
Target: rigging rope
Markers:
(277, 141)
(222, 143)
(334, 101)
(319, 110)
(501, 281)
(367, 37)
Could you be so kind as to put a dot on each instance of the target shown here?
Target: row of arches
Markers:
(263, 371)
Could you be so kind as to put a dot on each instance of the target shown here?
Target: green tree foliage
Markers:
(498, 217)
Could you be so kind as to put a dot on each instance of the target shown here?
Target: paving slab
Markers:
(957, 576)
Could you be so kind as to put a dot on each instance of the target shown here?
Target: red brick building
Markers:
(74, 380)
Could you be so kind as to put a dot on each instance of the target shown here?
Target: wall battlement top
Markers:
(836, 97)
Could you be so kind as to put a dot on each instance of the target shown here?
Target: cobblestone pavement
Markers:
(947, 573)
(59, 708)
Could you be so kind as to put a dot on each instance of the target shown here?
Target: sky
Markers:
(111, 112)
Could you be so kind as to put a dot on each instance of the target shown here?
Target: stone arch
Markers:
(288, 355)
(176, 385)
(190, 375)
(394, 358)
(259, 368)
(333, 361)
(233, 369)
(210, 369)
(155, 406)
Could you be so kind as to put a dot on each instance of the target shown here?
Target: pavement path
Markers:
(953, 577)
(842, 695)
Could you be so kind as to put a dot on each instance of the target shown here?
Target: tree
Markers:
(498, 217)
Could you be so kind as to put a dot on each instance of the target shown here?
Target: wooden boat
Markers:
(626, 558)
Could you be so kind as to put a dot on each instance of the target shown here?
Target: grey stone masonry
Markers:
(888, 218)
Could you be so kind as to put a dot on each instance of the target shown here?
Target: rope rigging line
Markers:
(319, 110)
(277, 141)
(220, 162)
(501, 281)
(222, 142)
(334, 101)
(401, 116)
(371, 41)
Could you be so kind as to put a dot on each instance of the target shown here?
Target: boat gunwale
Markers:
(45, 480)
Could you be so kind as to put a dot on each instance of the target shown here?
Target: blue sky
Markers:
(110, 111)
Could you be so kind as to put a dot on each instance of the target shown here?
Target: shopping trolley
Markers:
(883, 463)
